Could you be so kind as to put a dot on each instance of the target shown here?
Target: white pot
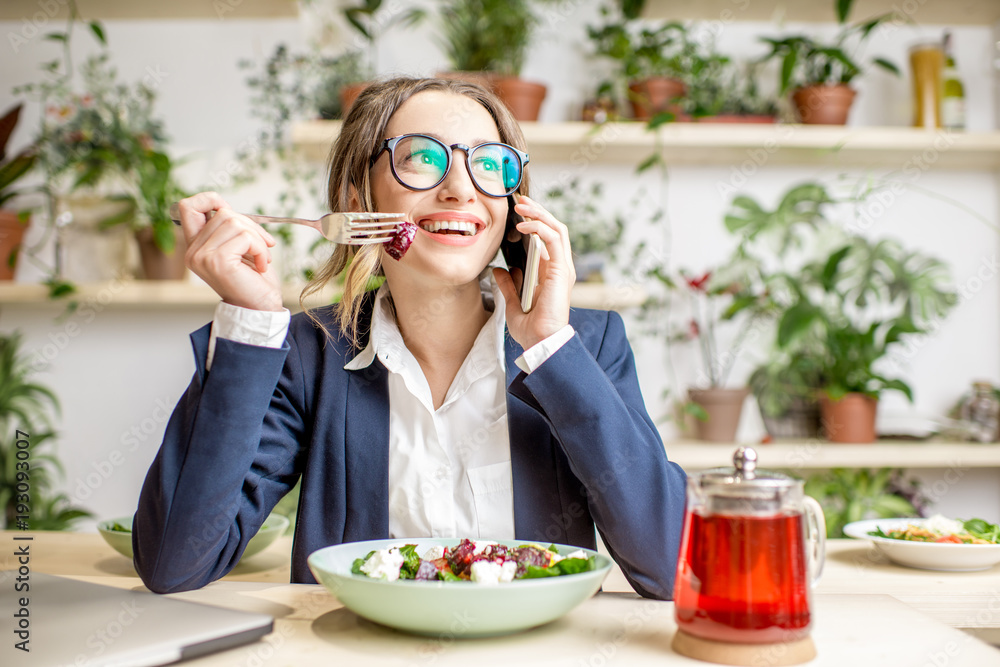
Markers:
(88, 253)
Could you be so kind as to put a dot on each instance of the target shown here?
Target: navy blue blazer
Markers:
(583, 452)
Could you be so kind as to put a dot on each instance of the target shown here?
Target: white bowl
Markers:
(451, 609)
(925, 555)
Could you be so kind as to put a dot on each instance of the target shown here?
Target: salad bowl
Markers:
(944, 557)
(447, 608)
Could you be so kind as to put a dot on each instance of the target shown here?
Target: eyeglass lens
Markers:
(422, 162)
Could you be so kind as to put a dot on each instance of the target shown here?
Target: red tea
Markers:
(743, 579)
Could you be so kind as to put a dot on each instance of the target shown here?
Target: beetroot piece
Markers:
(460, 558)
(526, 556)
(401, 241)
(495, 552)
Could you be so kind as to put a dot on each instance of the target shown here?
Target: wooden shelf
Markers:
(184, 294)
(16, 10)
(818, 455)
(947, 12)
(731, 145)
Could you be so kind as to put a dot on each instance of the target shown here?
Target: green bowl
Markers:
(452, 609)
(121, 540)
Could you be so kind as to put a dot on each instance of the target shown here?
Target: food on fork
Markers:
(401, 240)
(483, 562)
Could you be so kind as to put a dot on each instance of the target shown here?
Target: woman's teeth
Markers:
(444, 226)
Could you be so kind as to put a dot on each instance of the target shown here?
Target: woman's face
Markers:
(446, 256)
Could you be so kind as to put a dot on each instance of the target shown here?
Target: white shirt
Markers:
(449, 469)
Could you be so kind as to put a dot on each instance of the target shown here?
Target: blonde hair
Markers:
(360, 135)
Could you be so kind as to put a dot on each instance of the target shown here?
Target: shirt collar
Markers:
(385, 339)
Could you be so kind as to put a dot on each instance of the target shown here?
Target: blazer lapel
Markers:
(537, 506)
(366, 436)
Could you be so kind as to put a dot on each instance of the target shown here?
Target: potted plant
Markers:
(853, 495)
(103, 157)
(723, 91)
(12, 223)
(819, 74)
(486, 41)
(652, 60)
(593, 235)
(709, 301)
(26, 410)
(844, 308)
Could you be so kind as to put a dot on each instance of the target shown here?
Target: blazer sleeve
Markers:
(228, 455)
(594, 407)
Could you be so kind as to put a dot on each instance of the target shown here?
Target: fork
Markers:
(356, 228)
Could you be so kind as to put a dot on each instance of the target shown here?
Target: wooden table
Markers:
(866, 613)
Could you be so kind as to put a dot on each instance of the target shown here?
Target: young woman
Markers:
(432, 407)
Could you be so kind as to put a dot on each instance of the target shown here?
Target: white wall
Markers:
(118, 369)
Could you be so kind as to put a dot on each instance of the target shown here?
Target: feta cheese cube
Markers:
(384, 564)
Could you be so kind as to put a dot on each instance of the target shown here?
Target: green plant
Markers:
(16, 167)
(488, 35)
(26, 461)
(807, 62)
(853, 495)
(97, 132)
(365, 18)
(842, 301)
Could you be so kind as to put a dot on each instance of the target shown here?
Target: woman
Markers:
(436, 406)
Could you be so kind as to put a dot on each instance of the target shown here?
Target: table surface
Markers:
(864, 606)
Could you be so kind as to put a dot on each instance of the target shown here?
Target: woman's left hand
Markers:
(556, 276)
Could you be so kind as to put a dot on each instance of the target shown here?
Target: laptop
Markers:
(66, 622)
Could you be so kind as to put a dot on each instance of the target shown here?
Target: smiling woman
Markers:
(433, 407)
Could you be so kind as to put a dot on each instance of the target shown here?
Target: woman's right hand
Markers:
(230, 252)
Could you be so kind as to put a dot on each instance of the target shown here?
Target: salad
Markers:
(480, 562)
(943, 530)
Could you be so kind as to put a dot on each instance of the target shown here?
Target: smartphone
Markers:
(524, 254)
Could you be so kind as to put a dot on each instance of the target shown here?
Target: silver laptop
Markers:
(67, 622)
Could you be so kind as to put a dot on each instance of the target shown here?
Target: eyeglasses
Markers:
(420, 162)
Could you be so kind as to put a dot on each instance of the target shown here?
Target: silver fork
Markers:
(360, 228)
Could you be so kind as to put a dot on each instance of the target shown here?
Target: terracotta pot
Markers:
(523, 98)
(156, 264)
(651, 96)
(348, 94)
(724, 407)
(11, 234)
(851, 419)
(824, 105)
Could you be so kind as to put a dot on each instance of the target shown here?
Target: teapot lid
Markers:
(745, 474)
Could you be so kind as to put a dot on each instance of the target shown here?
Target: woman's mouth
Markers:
(449, 227)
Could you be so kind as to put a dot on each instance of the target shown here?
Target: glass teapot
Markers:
(752, 547)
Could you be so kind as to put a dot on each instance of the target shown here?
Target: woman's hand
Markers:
(556, 276)
(230, 252)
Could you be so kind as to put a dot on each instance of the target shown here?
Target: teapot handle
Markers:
(815, 537)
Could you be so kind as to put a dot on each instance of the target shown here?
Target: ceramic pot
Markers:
(523, 98)
(724, 407)
(653, 95)
(11, 235)
(801, 421)
(156, 264)
(88, 251)
(824, 105)
(850, 419)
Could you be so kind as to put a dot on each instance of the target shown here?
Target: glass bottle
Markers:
(982, 413)
(953, 95)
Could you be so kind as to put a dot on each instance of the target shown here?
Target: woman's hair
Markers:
(360, 135)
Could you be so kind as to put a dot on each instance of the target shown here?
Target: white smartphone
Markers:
(531, 272)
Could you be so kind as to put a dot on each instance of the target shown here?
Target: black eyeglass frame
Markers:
(390, 145)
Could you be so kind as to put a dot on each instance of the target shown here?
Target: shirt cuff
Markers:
(263, 328)
(538, 353)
